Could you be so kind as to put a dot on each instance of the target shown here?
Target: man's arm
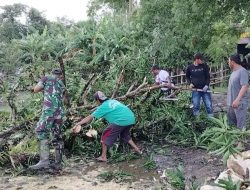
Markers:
(77, 127)
(242, 92)
(207, 74)
(38, 88)
(188, 75)
(157, 80)
(167, 79)
(86, 120)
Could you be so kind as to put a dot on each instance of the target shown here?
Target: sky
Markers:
(72, 9)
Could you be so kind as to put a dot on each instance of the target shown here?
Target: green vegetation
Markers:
(176, 178)
(150, 164)
(113, 52)
(118, 176)
(222, 139)
(229, 184)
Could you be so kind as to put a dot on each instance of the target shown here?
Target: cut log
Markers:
(8, 132)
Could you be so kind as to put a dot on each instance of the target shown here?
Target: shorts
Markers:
(113, 131)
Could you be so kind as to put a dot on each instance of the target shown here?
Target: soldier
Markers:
(51, 118)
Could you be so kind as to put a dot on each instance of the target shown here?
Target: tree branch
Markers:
(118, 83)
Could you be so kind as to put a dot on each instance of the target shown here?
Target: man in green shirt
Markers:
(120, 118)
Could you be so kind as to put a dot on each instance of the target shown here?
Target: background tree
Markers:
(10, 26)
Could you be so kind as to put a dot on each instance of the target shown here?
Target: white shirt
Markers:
(162, 78)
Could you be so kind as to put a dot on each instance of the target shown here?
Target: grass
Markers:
(21, 97)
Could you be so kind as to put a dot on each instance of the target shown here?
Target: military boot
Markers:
(44, 156)
(59, 146)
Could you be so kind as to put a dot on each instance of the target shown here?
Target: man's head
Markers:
(155, 69)
(198, 57)
(234, 60)
(100, 97)
(57, 72)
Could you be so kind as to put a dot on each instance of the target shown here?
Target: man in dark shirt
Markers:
(198, 77)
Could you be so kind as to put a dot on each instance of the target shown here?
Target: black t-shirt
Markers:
(198, 75)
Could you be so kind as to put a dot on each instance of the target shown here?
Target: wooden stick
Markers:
(130, 88)
(118, 83)
(8, 132)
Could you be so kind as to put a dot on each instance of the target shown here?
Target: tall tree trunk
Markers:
(94, 47)
(12, 106)
(60, 60)
(66, 95)
(130, 7)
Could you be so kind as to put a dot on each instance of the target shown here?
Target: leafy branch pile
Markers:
(222, 139)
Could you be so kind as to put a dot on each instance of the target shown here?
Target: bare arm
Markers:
(242, 92)
(168, 81)
(37, 88)
(77, 127)
(86, 120)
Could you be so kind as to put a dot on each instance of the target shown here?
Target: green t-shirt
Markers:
(115, 112)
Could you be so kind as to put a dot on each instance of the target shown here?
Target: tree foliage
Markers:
(167, 32)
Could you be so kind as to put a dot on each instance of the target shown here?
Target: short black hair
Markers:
(235, 58)
(154, 67)
(198, 56)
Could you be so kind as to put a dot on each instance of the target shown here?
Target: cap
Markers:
(57, 71)
(100, 96)
(154, 67)
(235, 58)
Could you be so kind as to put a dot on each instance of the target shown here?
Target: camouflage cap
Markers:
(57, 71)
(99, 95)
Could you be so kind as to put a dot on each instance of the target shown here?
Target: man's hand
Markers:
(30, 89)
(166, 85)
(205, 88)
(236, 103)
(76, 128)
(191, 86)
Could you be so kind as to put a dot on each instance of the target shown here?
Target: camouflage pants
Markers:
(49, 124)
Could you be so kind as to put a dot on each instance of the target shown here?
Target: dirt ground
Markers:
(81, 175)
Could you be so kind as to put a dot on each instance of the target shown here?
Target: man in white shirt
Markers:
(162, 77)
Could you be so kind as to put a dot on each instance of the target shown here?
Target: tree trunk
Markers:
(130, 7)
(94, 47)
(66, 96)
(10, 131)
(13, 110)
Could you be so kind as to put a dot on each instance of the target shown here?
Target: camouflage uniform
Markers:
(52, 114)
